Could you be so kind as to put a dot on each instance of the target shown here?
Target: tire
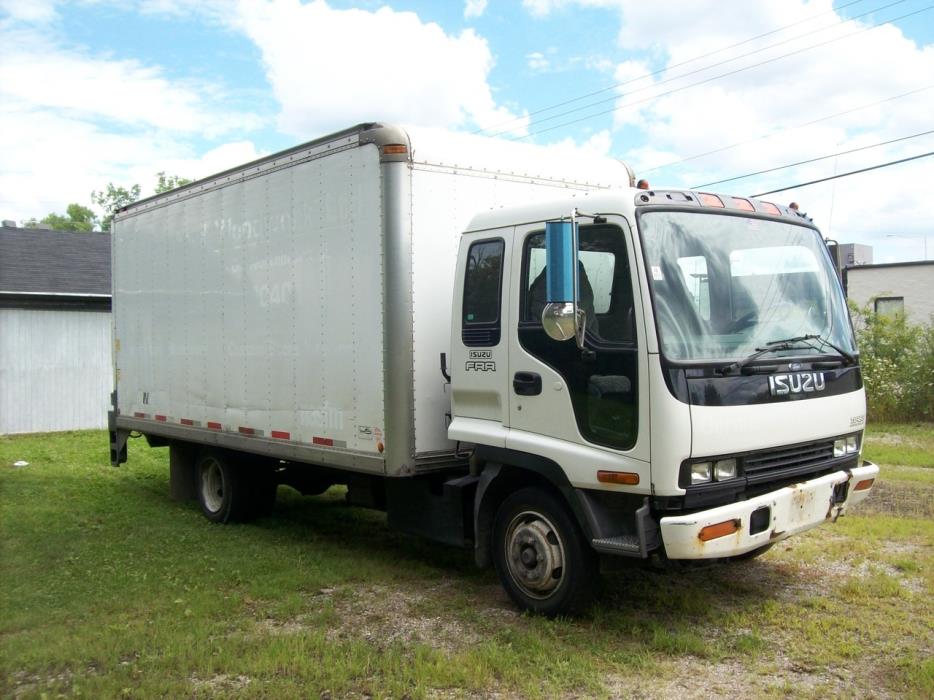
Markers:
(223, 490)
(540, 555)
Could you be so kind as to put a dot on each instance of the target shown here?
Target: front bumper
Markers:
(779, 514)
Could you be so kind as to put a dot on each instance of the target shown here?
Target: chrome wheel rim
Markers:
(535, 554)
(212, 485)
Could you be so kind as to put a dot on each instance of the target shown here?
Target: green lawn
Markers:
(110, 589)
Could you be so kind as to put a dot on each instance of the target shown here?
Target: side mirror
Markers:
(561, 317)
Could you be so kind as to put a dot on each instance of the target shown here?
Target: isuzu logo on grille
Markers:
(797, 383)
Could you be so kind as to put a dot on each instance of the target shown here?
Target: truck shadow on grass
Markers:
(347, 535)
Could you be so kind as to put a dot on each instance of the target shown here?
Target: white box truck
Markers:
(505, 347)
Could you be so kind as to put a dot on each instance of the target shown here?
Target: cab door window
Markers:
(603, 382)
(483, 283)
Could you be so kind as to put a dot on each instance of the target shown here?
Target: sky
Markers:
(688, 93)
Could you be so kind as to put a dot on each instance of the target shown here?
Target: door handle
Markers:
(527, 383)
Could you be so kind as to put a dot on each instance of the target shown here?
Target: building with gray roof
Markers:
(56, 370)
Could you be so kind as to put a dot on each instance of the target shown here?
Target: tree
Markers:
(76, 218)
(169, 182)
(112, 199)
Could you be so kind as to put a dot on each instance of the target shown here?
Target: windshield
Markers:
(726, 285)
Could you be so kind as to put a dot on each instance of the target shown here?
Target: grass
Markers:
(898, 444)
(110, 589)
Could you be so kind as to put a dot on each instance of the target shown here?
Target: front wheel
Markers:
(540, 555)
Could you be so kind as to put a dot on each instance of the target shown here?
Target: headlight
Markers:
(839, 447)
(848, 445)
(724, 469)
(700, 472)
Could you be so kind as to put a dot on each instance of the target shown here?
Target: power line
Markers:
(705, 68)
(852, 172)
(682, 63)
(788, 128)
(814, 160)
(717, 77)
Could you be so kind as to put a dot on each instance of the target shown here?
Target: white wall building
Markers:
(55, 339)
(894, 288)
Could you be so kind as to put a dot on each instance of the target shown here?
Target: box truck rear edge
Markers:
(503, 346)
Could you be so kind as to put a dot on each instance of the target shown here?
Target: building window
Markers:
(890, 307)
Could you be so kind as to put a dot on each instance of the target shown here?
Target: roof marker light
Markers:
(769, 208)
(710, 200)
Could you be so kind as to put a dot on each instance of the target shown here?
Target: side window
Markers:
(483, 281)
(603, 387)
(605, 285)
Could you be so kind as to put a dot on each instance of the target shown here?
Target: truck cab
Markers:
(705, 403)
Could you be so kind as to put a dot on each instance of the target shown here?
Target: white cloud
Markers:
(72, 120)
(330, 68)
(474, 8)
(787, 92)
(33, 11)
(537, 61)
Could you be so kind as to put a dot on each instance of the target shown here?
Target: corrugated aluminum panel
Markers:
(55, 370)
(258, 306)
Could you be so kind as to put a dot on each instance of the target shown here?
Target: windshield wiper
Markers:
(772, 346)
(789, 344)
(848, 357)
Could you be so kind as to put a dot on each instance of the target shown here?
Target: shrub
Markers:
(897, 362)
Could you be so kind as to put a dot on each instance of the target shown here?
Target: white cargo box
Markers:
(297, 306)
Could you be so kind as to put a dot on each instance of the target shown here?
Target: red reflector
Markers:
(214, 426)
(245, 431)
(710, 200)
(159, 418)
(187, 421)
(712, 532)
(281, 434)
(327, 442)
(628, 478)
(863, 485)
(139, 415)
(769, 208)
(743, 204)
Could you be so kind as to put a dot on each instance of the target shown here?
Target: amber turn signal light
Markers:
(863, 485)
(627, 478)
(712, 532)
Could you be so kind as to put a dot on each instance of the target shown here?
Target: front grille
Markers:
(787, 461)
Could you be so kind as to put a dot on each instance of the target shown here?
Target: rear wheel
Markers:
(540, 555)
(223, 489)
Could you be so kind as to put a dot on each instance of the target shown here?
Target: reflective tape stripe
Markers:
(281, 435)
